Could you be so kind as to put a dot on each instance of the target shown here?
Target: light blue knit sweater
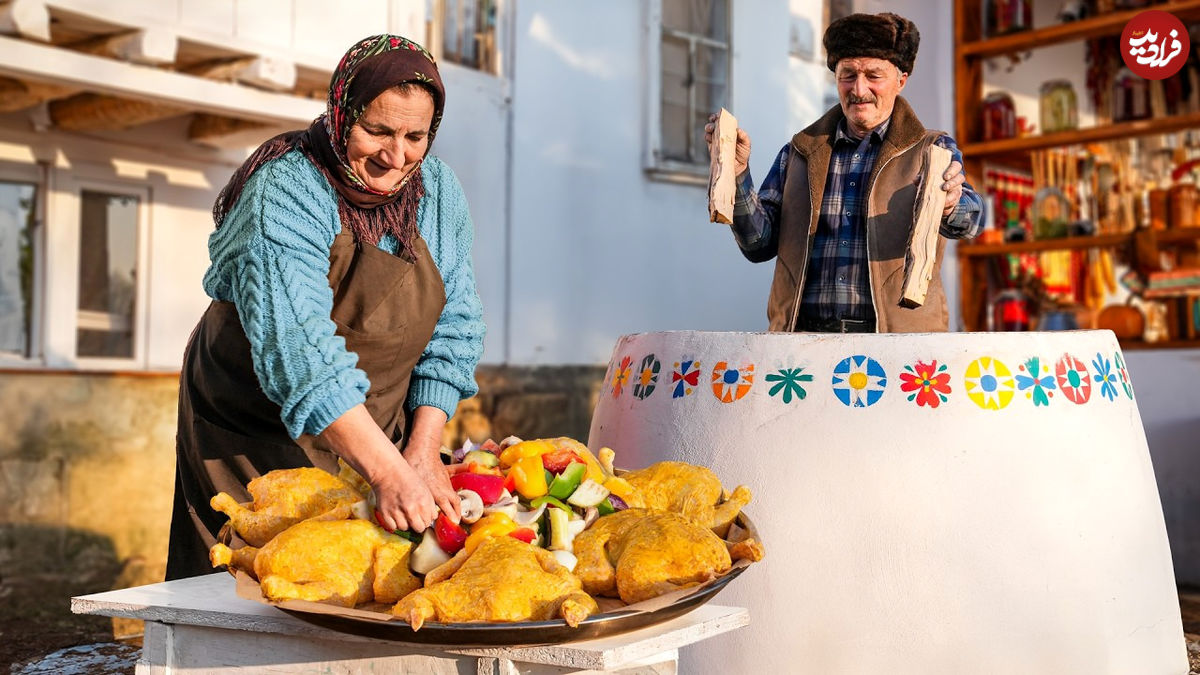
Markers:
(271, 259)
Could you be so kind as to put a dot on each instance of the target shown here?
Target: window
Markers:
(464, 32)
(693, 74)
(17, 222)
(108, 274)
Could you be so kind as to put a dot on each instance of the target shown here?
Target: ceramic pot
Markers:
(937, 504)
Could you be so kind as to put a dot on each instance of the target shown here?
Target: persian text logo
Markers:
(1155, 44)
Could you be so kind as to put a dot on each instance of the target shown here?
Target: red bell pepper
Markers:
(450, 535)
(524, 534)
(487, 486)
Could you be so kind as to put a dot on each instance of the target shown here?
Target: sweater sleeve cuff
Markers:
(436, 393)
(324, 413)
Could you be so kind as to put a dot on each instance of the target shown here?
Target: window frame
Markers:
(31, 174)
(655, 166)
(61, 348)
(435, 27)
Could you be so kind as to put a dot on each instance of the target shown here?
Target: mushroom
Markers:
(506, 504)
(606, 456)
(511, 440)
(471, 505)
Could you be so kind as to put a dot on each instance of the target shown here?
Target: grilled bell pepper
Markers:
(529, 477)
(523, 534)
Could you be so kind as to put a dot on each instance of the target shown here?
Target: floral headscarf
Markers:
(369, 68)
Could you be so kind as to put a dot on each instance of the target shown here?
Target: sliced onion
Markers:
(618, 504)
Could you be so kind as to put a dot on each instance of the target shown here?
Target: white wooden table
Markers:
(200, 625)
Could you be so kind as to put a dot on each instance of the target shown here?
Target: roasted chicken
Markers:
(340, 562)
(501, 580)
(285, 497)
(638, 554)
(691, 491)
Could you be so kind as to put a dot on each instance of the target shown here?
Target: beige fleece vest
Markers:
(891, 198)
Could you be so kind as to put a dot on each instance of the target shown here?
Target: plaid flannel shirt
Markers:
(837, 284)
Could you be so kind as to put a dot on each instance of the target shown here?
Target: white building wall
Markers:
(598, 249)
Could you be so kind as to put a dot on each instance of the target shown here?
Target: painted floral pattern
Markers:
(621, 376)
(1036, 381)
(989, 383)
(685, 377)
(786, 383)
(647, 377)
(926, 383)
(729, 383)
(1123, 374)
(859, 381)
(1072, 378)
(1105, 376)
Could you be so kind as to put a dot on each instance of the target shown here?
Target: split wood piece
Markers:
(722, 169)
(922, 244)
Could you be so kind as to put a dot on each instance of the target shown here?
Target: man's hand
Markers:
(741, 155)
(954, 179)
(424, 453)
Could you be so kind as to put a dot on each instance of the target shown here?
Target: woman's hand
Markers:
(401, 496)
(424, 454)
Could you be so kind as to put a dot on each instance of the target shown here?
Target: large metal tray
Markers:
(518, 634)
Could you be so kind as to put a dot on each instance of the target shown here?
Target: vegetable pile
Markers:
(543, 492)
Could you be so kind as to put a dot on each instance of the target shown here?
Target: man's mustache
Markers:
(851, 98)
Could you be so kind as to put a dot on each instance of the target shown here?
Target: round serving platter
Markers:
(517, 634)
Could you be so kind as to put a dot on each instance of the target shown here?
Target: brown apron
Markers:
(386, 308)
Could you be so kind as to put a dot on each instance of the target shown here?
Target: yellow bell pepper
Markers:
(518, 451)
(529, 477)
(492, 525)
(623, 489)
(594, 470)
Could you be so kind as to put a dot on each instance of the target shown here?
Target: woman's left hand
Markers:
(424, 453)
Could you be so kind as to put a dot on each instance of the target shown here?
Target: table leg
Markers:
(665, 663)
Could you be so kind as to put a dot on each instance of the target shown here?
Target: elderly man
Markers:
(840, 263)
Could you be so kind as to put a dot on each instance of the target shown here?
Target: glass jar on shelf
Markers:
(1058, 108)
(1130, 97)
(1008, 16)
(999, 116)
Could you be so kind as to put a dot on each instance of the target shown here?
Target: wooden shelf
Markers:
(1138, 345)
(1012, 146)
(1097, 26)
(966, 250)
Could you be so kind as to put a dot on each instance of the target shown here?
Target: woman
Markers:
(344, 321)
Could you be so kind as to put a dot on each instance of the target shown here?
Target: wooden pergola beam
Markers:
(26, 18)
(95, 112)
(18, 95)
(153, 46)
(221, 131)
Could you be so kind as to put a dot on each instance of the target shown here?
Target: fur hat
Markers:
(882, 36)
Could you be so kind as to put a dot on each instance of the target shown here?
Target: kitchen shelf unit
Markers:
(971, 49)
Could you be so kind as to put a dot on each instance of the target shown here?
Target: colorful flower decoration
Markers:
(1036, 381)
(621, 376)
(787, 381)
(1072, 377)
(730, 384)
(989, 383)
(1105, 376)
(647, 377)
(859, 381)
(928, 382)
(1123, 374)
(685, 376)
